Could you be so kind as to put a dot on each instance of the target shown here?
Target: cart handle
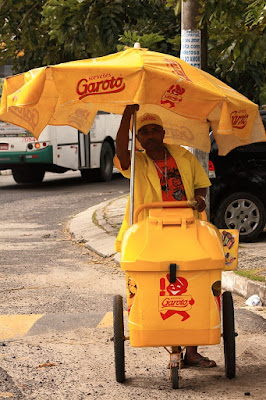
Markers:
(164, 204)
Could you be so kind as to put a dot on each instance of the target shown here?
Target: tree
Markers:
(22, 37)
(236, 45)
(40, 32)
(156, 30)
(47, 32)
(97, 25)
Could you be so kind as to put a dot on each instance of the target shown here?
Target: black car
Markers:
(238, 191)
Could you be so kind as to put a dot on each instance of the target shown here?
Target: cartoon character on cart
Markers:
(175, 302)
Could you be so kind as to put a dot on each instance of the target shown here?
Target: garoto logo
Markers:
(175, 302)
(31, 116)
(113, 85)
(239, 119)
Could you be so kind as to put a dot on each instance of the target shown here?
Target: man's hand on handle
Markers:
(130, 109)
(201, 203)
(200, 195)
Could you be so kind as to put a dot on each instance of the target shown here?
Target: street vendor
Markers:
(162, 173)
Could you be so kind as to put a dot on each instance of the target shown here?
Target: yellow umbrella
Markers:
(187, 99)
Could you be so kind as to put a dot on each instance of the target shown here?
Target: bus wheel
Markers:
(28, 174)
(106, 162)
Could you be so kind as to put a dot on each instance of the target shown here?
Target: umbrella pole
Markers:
(132, 173)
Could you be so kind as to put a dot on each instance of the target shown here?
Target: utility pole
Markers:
(194, 52)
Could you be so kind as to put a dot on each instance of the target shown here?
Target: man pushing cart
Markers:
(164, 176)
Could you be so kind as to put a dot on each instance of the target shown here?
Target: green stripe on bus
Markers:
(44, 156)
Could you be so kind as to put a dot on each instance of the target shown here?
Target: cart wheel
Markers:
(175, 377)
(119, 339)
(229, 335)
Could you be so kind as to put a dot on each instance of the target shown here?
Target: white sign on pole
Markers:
(191, 47)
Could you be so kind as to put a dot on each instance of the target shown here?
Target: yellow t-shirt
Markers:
(147, 183)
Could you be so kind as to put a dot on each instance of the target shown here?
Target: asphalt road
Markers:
(56, 302)
(33, 242)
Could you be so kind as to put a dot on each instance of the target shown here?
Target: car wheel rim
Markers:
(242, 214)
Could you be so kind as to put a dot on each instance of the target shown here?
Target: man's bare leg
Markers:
(193, 358)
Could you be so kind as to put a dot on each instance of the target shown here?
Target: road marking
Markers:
(62, 322)
(12, 326)
(5, 395)
(17, 326)
(107, 320)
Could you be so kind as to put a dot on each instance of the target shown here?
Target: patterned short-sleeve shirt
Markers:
(171, 185)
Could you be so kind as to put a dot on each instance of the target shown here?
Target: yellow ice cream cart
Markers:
(173, 262)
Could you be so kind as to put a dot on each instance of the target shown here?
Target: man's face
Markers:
(150, 136)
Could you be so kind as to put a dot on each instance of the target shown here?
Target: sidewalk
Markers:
(98, 226)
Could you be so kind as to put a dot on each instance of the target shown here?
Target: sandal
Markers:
(203, 362)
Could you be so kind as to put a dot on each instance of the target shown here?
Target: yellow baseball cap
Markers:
(147, 119)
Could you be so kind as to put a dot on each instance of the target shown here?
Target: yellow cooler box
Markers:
(173, 263)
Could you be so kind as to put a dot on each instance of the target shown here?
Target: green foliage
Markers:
(40, 32)
(236, 44)
(69, 28)
(146, 41)
(176, 4)
(236, 47)
(21, 30)
(153, 30)
(53, 31)
(176, 44)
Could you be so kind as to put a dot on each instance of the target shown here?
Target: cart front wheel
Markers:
(175, 377)
(229, 335)
(119, 339)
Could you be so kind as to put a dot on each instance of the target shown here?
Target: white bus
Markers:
(59, 149)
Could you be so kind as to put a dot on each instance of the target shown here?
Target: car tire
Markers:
(106, 162)
(242, 211)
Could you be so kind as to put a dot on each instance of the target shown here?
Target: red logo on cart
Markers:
(172, 299)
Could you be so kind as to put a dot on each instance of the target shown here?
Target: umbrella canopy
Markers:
(187, 99)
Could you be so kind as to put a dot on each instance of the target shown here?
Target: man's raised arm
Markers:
(122, 137)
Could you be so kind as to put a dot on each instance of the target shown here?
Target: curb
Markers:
(83, 229)
(95, 237)
(243, 286)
